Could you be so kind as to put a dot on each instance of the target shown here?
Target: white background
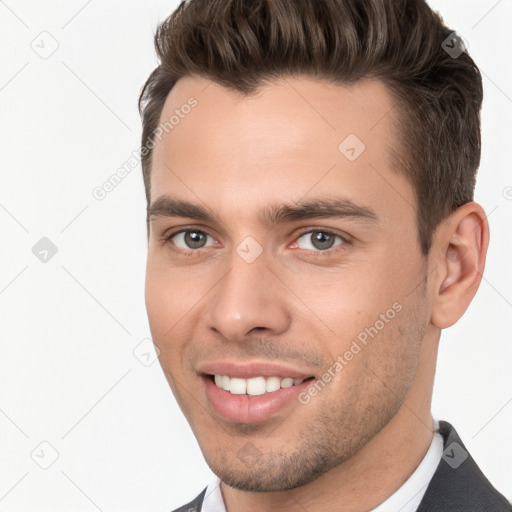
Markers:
(68, 327)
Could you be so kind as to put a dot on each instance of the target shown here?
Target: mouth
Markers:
(252, 400)
(255, 386)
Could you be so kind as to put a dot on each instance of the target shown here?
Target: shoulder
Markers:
(195, 505)
(458, 483)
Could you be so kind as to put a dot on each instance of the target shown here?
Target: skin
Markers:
(362, 436)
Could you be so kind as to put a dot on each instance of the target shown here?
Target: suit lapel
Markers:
(458, 485)
(195, 505)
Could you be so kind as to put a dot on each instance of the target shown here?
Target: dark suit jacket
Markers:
(458, 485)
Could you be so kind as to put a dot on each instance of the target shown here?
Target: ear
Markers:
(458, 251)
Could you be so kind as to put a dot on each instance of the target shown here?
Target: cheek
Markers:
(346, 300)
(158, 301)
(173, 299)
(379, 364)
(166, 305)
(167, 292)
(369, 303)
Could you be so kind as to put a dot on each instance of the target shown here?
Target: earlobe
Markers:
(463, 240)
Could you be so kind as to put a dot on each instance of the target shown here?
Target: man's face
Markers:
(234, 295)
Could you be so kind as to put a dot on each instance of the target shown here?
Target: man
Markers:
(309, 169)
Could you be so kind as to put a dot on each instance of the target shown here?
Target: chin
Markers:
(251, 471)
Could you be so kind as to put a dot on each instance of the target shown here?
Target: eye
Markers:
(319, 240)
(189, 239)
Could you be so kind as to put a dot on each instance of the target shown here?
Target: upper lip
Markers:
(249, 369)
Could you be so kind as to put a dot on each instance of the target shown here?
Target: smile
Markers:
(255, 385)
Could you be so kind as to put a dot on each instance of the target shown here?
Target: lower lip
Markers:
(251, 409)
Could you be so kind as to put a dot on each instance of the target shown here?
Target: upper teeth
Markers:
(255, 385)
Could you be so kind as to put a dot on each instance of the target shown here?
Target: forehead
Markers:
(295, 135)
(298, 108)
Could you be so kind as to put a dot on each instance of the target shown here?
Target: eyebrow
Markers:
(166, 206)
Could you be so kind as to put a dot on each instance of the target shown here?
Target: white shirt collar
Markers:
(405, 499)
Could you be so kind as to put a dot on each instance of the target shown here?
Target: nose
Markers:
(248, 298)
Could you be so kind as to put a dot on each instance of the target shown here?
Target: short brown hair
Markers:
(242, 44)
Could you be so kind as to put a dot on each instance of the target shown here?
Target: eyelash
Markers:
(167, 240)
